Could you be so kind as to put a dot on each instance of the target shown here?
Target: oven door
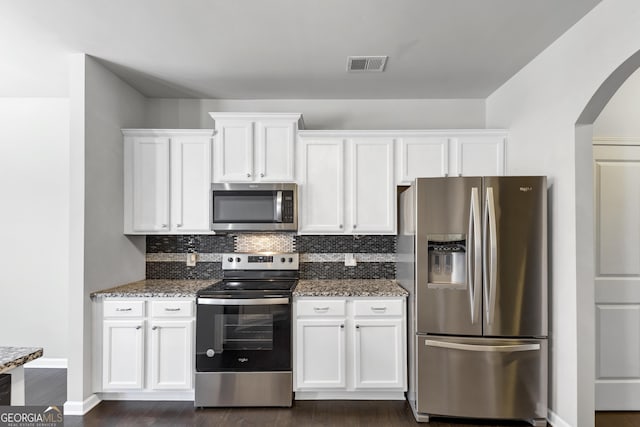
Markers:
(243, 335)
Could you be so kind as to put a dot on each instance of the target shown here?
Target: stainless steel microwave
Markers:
(254, 207)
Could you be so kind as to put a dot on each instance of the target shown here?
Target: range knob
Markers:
(282, 260)
(290, 259)
(230, 259)
(210, 352)
(238, 259)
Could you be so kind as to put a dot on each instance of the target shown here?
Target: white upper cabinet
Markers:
(479, 153)
(372, 190)
(321, 185)
(421, 156)
(346, 183)
(255, 147)
(440, 153)
(167, 180)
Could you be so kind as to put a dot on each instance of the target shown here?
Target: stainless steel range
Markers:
(243, 332)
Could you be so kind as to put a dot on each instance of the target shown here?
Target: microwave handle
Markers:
(279, 206)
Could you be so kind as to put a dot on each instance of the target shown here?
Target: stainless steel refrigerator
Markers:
(472, 252)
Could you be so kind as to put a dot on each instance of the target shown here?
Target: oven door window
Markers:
(243, 338)
(244, 207)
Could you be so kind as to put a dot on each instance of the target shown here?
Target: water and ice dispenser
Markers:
(447, 262)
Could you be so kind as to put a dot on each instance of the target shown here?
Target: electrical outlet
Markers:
(192, 258)
(350, 260)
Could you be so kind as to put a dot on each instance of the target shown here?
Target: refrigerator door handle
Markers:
(491, 258)
(474, 258)
(510, 348)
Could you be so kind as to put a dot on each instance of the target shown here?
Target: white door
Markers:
(373, 194)
(275, 151)
(320, 354)
(322, 186)
(379, 353)
(151, 185)
(617, 277)
(191, 183)
(122, 354)
(171, 354)
(422, 156)
(233, 157)
(477, 155)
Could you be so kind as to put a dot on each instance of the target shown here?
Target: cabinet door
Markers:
(422, 156)
(617, 276)
(122, 354)
(379, 356)
(151, 185)
(233, 157)
(373, 194)
(275, 151)
(171, 354)
(320, 354)
(322, 186)
(478, 155)
(191, 183)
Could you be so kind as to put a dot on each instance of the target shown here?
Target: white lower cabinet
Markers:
(147, 347)
(350, 348)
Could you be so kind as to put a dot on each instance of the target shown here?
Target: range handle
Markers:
(243, 301)
(507, 348)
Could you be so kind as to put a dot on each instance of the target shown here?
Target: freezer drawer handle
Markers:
(485, 348)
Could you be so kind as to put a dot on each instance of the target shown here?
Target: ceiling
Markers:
(280, 49)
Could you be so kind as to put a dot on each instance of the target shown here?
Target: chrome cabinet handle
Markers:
(138, 327)
(248, 175)
(171, 309)
(154, 328)
(178, 225)
(379, 309)
(124, 309)
(164, 225)
(321, 309)
(262, 175)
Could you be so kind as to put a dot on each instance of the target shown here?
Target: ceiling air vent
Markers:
(361, 64)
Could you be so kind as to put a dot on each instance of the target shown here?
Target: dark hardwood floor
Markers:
(49, 387)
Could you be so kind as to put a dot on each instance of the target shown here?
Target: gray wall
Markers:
(621, 116)
(101, 256)
(328, 113)
(34, 247)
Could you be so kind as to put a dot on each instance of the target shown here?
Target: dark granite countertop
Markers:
(349, 288)
(12, 357)
(160, 288)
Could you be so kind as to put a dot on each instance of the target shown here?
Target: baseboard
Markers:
(187, 395)
(81, 408)
(47, 362)
(555, 420)
(349, 395)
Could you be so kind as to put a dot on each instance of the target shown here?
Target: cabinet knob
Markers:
(155, 327)
(355, 226)
(178, 225)
(341, 326)
(138, 327)
(340, 226)
(357, 326)
(164, 225)
(262, 175)
(248, 175)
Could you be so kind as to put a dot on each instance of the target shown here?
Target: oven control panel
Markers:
(260, 261)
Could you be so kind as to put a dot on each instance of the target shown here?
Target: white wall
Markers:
(541, 106)
(34, 211)
(328, 113)
(621, 116)
(102, 256)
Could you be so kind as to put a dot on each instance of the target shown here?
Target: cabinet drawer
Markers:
(378, 308)
(123, 308)
(321, 307)
(172, 308)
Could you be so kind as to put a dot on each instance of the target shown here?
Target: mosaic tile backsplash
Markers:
(321, 257)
